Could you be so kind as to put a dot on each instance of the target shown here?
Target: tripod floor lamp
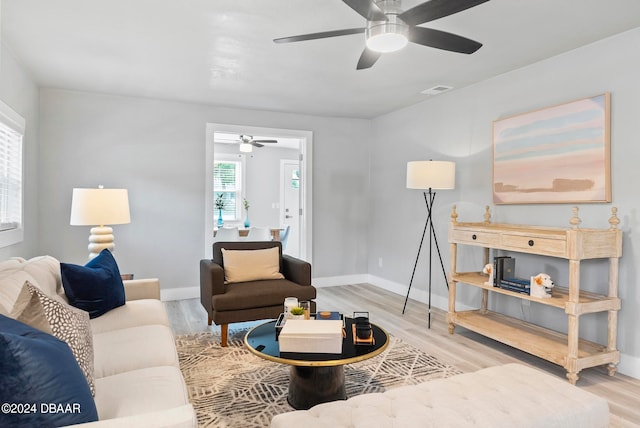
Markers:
(429, 176)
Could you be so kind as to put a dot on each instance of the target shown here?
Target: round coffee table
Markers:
(314, 378)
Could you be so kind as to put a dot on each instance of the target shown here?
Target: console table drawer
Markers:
(535, 244)
(474, 237)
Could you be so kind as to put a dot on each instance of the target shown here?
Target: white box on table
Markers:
(316, 336)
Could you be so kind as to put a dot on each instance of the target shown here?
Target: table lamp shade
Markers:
(431, 175)
(99, 207)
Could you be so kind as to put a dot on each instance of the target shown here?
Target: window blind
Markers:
(226, 182)
(11, 134)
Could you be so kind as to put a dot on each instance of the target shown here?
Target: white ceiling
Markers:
(220, 52)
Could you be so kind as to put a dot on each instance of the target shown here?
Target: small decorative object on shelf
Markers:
(488, 270)
(541, 286)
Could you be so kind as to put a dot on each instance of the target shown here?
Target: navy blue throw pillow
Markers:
(42, 384)
(95, 287)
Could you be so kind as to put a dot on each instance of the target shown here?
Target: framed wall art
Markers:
(558, 154)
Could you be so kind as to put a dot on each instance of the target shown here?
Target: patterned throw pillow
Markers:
(64, 322)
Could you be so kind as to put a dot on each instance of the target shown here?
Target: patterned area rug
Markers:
(230, 387)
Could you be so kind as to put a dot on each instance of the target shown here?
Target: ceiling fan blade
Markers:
(253, 143)
(435, 9)
(442, 40)
(265, 141)
(367, 59)
(367, 8)
(322, 35)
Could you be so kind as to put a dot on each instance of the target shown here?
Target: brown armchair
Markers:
(251, 300)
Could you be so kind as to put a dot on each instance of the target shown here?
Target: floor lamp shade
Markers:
(431, 175)
(100, 207)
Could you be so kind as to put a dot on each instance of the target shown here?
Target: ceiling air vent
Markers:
(438, 89)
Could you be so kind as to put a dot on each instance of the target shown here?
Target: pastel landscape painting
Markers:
(558, 154)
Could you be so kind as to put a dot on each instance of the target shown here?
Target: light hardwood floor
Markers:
(465, 350)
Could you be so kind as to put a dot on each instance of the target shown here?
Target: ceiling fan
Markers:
(389, 28)
(247, 143)
(248, 139)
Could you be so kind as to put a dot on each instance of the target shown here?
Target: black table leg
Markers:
(309, 386)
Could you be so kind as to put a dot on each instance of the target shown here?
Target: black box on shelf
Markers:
(508, 268)
(499, 267)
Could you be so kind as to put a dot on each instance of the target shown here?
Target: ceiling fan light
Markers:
(246, 148)
(387, 36)
(389, 42)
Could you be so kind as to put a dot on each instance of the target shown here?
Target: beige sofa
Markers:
(138, 382)
(508, 396)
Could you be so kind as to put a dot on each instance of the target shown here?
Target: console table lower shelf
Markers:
(539, 341)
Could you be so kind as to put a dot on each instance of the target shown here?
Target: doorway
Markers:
(300, 237)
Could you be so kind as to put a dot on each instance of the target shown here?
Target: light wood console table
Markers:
(573, 244)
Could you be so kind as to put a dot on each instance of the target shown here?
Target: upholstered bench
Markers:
(508, 396)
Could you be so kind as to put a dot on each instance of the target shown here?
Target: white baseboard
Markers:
(179, 293)
(330, 281)
(422, 296)
(629, 366)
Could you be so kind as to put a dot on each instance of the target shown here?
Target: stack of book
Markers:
(503, 267)
(519, 285)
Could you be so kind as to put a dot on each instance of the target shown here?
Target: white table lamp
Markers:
(100, 207)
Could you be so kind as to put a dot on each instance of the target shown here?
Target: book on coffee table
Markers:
(327, 315)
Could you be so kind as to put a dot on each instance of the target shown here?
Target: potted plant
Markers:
(247, 223)
(297, 312)
(220, 206)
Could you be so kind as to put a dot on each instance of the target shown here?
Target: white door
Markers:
(290, 184)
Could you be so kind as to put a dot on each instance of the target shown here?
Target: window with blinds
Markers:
(11, 133)
(227, 186)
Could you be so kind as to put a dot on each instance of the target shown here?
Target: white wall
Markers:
(19, 92)
(457, 126)
(156, 149)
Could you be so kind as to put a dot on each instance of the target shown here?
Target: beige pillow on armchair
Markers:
(251, 265)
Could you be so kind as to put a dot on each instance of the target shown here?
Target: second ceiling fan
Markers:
(389, 28)
(248, 139)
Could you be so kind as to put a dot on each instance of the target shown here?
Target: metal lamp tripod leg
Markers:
(432, 239)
